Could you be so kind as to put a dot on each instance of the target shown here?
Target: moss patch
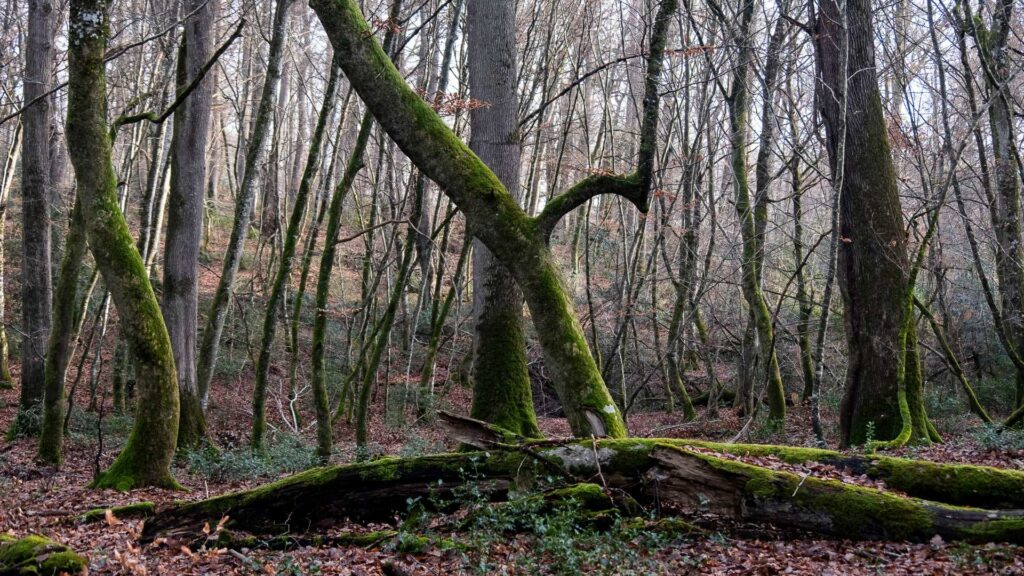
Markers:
(136, 510)
(36, 555)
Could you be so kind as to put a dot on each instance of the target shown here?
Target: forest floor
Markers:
(38, 499)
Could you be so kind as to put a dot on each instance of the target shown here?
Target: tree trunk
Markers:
(6, 178)
(35, 181)
(753, 218)
(501, 382)
(180, 304)
(146, 457)
(243, 204)
(274, 302)
(66, 320)
(519, 242)
(993, 52)
(873, 264)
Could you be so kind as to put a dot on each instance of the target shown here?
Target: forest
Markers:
(397, 287)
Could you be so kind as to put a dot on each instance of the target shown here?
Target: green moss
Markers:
(36, 555)
(1004, 530)
(384, 469)
(788, 454)
(137, 509)
(852, 511)
(855, 509)
(365, 538)
(959, 484)
(587, 496)
(408, 543)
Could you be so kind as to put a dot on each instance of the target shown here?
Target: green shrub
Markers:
(284, 454)
(557, 536)
(115, 427)
(998, 395)
(993, 437)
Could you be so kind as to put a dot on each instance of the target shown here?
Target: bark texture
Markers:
(36, 285)
(501, 381)
(873, 262)
(180, 303)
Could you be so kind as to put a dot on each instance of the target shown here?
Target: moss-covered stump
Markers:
(35, 555)
(630, 468)
(697, 481)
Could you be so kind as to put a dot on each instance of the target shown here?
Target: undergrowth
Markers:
(529, 534)
(283, 454)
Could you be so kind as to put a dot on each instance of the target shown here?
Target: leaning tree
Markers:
(516, 240)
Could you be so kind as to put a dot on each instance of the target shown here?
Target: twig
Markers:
(180, 99)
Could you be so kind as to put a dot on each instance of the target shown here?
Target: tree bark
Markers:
(35, 206)
(180, 303)
(873, 263)
(501, 382)
(146, 457)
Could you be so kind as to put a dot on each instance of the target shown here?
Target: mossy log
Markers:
(38, 556)
(647, 470)
(699, 482)
(135, 510)
(956, 484)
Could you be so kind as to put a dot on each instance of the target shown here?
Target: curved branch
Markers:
(626, 185)
(635, 187)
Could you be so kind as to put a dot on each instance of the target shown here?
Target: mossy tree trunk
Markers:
(67, 314)
(180, 303)
(291, 240)
(873, 263)
(146, 457)
(753, 215)
(36, 285)
(992, 42)
(516, 240)
(501, 382)
(323, 285)
(803, 295)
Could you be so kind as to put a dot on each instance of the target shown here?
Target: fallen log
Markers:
(956, 484)
(646, 469)
(38, 556)
(696, 481)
